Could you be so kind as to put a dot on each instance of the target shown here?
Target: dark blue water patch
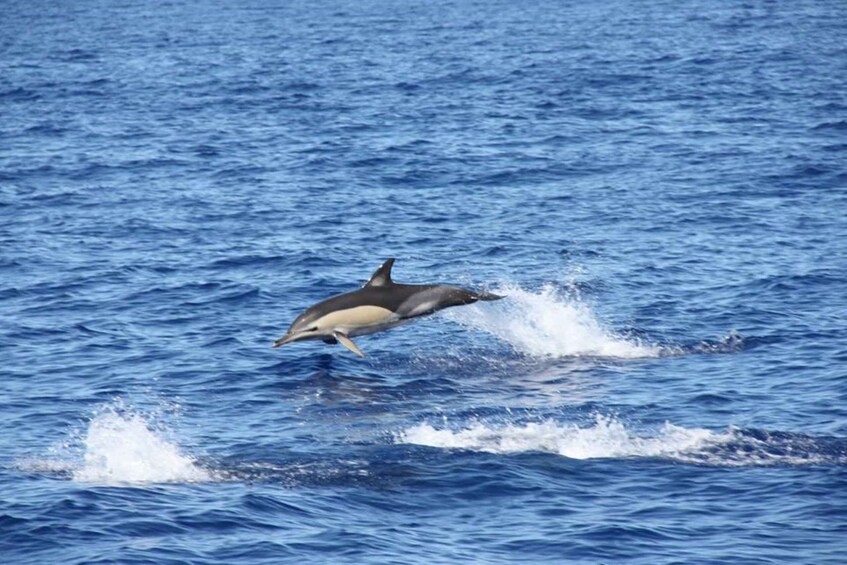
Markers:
(731, 343)
(795, 283)
(207, 151)
(783, 448)
(19, 94)
(831, 126)
(74, 55)
(51, 129)
(251, 262)
(712, 400)
(230, 294)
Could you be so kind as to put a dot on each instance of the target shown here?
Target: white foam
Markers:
(607, 438)
(610, 438)
(545, 323)
(120, 447)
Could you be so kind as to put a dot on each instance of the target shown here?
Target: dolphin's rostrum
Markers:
(379, 305)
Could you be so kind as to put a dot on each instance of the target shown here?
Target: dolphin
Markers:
(379, 305)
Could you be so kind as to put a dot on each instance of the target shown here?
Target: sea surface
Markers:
(659, 188)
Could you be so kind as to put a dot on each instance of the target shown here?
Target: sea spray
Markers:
(606, 438)
(546, 323)
(120, 446)
(609, 438)
(123, 449)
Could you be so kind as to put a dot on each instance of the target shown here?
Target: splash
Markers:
(606, 438)
(122, 448)
(547, 324)
(119, 446)
(610, 438)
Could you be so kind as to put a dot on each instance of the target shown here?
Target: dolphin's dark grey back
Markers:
(404, 300)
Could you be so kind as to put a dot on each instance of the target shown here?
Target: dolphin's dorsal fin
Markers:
(382, 276)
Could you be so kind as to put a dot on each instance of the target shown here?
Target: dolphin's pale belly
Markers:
(365, 330)
(360, 320)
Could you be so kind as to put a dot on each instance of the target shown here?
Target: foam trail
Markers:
(120, 447)
(546, 324)
(607, 438)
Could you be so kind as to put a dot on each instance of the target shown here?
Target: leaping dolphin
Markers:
(379, 305)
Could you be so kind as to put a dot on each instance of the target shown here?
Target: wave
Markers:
(610, 438)
(547, 324)
(121, 447)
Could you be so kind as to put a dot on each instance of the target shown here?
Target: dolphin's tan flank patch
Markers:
(360, 316)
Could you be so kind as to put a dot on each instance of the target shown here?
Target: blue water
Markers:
(660, 188)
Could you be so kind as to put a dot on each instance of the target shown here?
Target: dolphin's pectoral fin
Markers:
(330, 340)
(348, 343)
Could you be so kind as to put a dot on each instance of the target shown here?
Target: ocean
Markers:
(658, 188)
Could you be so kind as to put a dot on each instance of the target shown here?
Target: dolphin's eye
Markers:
(312, 329)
